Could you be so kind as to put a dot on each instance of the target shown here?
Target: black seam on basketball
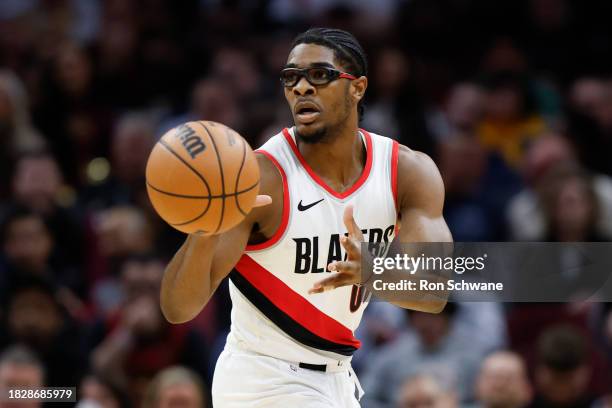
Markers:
(222, 177)
(195, 218)
(208, 197)
(238, 178)
(207, 206)
(164, 144)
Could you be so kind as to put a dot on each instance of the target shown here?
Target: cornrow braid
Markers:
(346, 49)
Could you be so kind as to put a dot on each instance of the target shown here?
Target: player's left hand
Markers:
(346, 272)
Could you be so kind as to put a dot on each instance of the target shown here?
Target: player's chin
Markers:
(311, 134)
(309, 129)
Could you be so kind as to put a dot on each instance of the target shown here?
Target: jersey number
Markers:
(357, 296)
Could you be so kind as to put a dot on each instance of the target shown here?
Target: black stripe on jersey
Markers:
(285, 322)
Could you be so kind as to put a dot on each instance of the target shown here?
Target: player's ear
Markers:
(358, 87)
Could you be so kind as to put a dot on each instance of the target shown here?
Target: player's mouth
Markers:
(306, 112)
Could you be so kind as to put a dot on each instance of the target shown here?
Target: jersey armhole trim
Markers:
(285, 215)
(394, 163)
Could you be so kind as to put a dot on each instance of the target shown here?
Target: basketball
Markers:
(202, 177)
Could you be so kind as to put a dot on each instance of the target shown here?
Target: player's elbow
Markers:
(175, 318)
(178, 315)
(437, 307)
(429, 306)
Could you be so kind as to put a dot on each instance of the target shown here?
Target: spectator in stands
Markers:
(383, 322)
(589, 115)
(35, 318)
(478, 182)
(503, 382)
(397, 108)
(27, 241)
(390, 73)
(510, 121)
(119, 74)
(176, 386)
(211, 99)
(71, 114)
(550, 37)
(570, 205)
(237, 68)
(478, 185)
(463, 165)
(562, 372)
(525, 212)
(38, 185)
(461, 112)
(587, 94)
(529, 321)
(132, 344)
(29, 248)
(37, 181)
(431, 345)
(119, 232)
(102, 392)
(17, 133)
(131, 143)
(20, 369)
(426, 391)
(604, 327)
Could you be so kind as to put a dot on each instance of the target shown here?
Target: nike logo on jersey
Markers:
(305, 207)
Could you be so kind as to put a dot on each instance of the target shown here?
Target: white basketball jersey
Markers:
(272, 312)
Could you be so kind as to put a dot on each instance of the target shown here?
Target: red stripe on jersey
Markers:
(285, 217)
(364, 174)
(394, 162)
(294, 305)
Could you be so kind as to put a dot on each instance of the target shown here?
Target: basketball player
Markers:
(296, 302)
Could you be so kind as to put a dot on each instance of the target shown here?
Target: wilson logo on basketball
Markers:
(191, 142)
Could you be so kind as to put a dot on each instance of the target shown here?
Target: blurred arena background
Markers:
(512, 98)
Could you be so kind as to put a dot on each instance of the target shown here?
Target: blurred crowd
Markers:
(512, 99)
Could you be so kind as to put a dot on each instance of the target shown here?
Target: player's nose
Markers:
(303, 87)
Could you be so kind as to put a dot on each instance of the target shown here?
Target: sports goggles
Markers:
(317, 76)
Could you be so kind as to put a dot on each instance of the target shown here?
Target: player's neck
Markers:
(339, 160)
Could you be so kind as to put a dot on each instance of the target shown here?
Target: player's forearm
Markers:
(188, 283)
(428, 301)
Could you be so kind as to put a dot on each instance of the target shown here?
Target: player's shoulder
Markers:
(415, 163)
(414, 168)
(418, 177)
(272, 182)
(271, 170)
(412, 165)
(270, 174)
(268, 159)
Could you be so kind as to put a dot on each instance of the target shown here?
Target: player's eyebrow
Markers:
(312, 65)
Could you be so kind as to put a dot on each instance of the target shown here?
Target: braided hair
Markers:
(346, 49)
